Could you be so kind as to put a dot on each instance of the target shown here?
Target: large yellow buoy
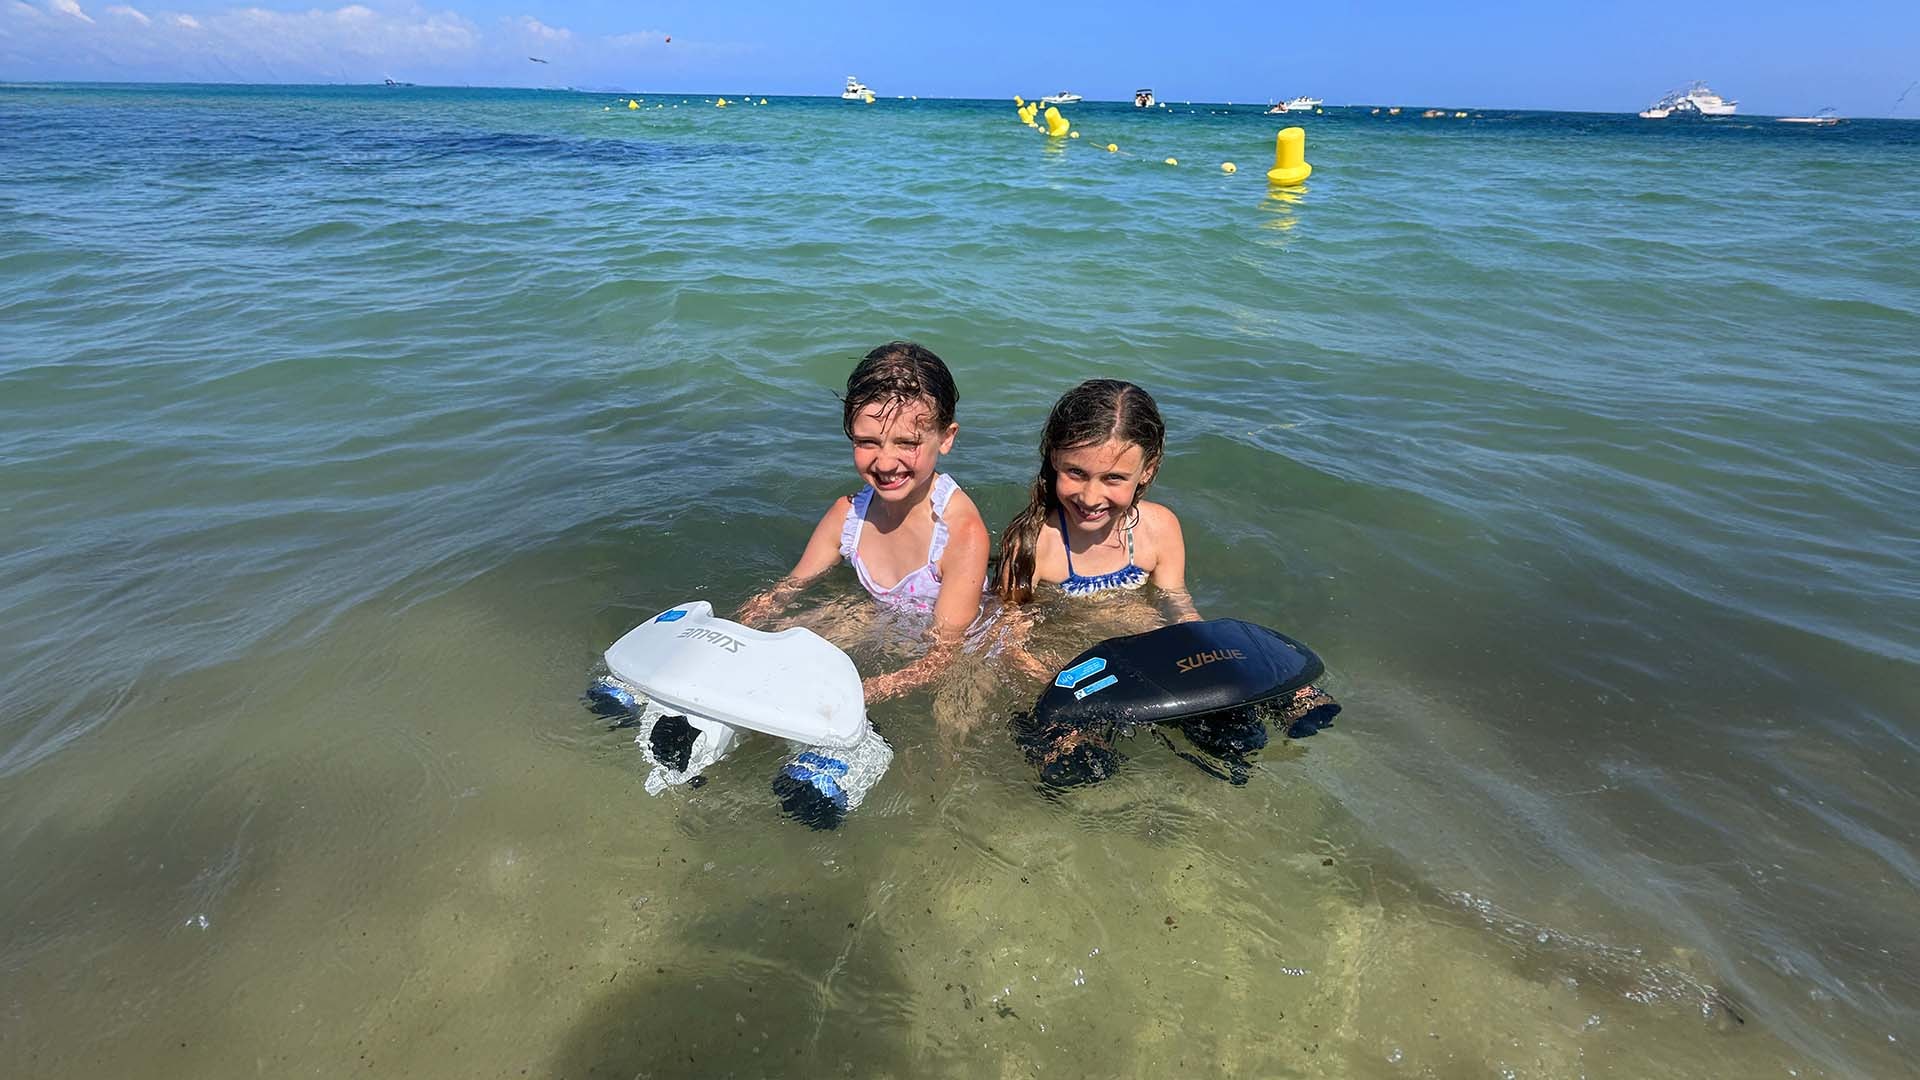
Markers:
(1290, 157)
(1057, 126)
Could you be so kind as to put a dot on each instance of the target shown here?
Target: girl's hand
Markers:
(1027, 663)
(881, 687)
(757, 610)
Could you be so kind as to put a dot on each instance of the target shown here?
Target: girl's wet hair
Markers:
(1087, 415)
(894, 375)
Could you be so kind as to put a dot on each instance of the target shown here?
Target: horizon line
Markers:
(400, 84)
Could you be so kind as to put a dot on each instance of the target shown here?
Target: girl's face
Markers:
(1098, 484)
(896, 446)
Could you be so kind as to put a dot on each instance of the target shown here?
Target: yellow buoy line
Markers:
(1290, 166)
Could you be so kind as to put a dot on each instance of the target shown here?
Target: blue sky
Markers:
(1774, 57)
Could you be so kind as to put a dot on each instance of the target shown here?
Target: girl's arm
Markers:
(1170, 565)
(963, 574)
(823, 551)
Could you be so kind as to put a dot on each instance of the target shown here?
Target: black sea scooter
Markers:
(1213, 679)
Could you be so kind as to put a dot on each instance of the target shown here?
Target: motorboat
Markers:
(855, 91)
(1823, 118)
(1693, 100)
(1064, 97)
(1707, 103)
(1277, 108)
(1304, 104)
(1143, 98)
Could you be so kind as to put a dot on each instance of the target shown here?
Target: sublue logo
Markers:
(1081, 672)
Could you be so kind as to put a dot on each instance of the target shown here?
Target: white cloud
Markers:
(541, 30)
(352, 41)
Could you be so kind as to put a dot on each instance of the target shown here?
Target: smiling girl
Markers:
(914, 539)
(1088, 527)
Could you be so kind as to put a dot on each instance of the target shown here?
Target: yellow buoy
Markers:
(1229, 168)
(632, 104)
(1290, 157)
(1112, 148)
(1073, 134)
(721, 104)
(1173, 161)
(1056, 124)
(1018, 101)
(763, 101)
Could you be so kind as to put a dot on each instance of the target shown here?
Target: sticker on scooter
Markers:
(1096, 687)
(1081, 672)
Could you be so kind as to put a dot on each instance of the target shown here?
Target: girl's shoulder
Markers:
(960, 508)
(1155, 516)
(966, 529)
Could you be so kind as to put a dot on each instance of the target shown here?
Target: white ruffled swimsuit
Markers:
(920, 588)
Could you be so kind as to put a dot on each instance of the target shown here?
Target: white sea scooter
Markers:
(691, 682)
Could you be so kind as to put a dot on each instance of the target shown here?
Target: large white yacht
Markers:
(1706, 102)
(855, 91)
(1304, 103)
(1695, 99)
(1064, 97)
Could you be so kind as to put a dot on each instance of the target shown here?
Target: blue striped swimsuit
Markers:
(1127, 577)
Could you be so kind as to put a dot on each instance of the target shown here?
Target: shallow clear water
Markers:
(343, 428)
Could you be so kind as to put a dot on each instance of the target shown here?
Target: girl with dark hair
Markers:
(1089, 529)
(915, 540)
(1087, 526)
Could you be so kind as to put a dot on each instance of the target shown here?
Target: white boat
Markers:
(1304, 104)
(855, 91)
(1277, 108)
(1692, 100)
(1823, 118)
(1707, 103)
(1143, 98)
(1064, 97)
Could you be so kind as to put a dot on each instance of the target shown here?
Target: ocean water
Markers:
(342, 428)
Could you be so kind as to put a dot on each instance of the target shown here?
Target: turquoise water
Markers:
(343, 428)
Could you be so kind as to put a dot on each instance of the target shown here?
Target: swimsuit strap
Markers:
(856, 517)
(1068, 545)
(943, 489)
(1066, 542)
